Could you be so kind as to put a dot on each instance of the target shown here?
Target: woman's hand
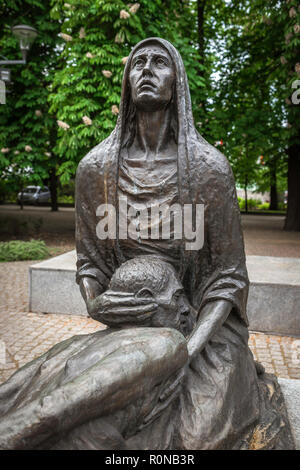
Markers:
(118, 309)
(210, 319)
(171, 391)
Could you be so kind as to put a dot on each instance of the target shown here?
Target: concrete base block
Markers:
(52, 286)
(291, 392)
(273, 303)
(274, 295)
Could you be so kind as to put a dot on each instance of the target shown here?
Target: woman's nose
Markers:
(147, 67)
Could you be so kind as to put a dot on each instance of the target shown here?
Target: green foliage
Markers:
(89, 84)
(257, 53)
(27, 129)
(263, 207)
(17, 250)
(240, 60)
(252, 203)
(66, 199)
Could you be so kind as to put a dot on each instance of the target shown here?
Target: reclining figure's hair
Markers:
(142, 272)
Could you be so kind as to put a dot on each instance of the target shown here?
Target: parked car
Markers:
(34, 195)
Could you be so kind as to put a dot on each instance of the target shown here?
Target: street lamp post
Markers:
(26, 35)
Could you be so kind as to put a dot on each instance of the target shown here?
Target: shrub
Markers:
(264, 207)
(66, 199)
(282, 206)
(252, 203)
(17, 250)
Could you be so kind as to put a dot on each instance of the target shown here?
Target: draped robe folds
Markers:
(223, 403)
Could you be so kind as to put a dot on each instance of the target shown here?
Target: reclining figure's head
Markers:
(150, 277)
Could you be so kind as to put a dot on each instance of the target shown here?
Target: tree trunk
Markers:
(53, 189)
(246, 198)
(292, 221)
(200, 17)
(273, 188)
(273, 198)
(21, 199)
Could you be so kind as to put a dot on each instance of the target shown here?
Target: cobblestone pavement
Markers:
(24, 336)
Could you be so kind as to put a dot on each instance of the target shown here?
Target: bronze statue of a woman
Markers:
(154, 158)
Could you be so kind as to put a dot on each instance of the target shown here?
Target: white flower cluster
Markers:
(38, 113)
(288, 37)
(5, 150)
(66, 37)
(82, 33)
(124, 60)
(107, 73)
(87, 121)
(134, 8)
(63, 125)
(124, 15)
(28, 148)
(89, 55)
(115, 109)
(119, 39)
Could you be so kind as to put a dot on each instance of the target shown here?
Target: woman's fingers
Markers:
(125, 315)
(131, 311)
(172, 385)
(161, 406)
(122, 308)
(171, 391)
(109, 301)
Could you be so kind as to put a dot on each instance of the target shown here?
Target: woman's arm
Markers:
(90, 289)
(211, 317)
(113, 309)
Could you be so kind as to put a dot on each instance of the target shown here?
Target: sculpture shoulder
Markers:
(93, 162)
(209, 160)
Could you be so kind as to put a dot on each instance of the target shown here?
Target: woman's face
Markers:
(151, 77)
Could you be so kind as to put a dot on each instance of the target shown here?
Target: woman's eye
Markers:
(160, 61)
(176, 296)
(139, 63)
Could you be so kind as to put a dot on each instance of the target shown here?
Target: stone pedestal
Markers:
(273, 303)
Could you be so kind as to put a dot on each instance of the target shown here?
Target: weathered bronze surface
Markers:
(173, 370)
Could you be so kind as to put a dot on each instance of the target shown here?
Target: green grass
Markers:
(18, 250)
